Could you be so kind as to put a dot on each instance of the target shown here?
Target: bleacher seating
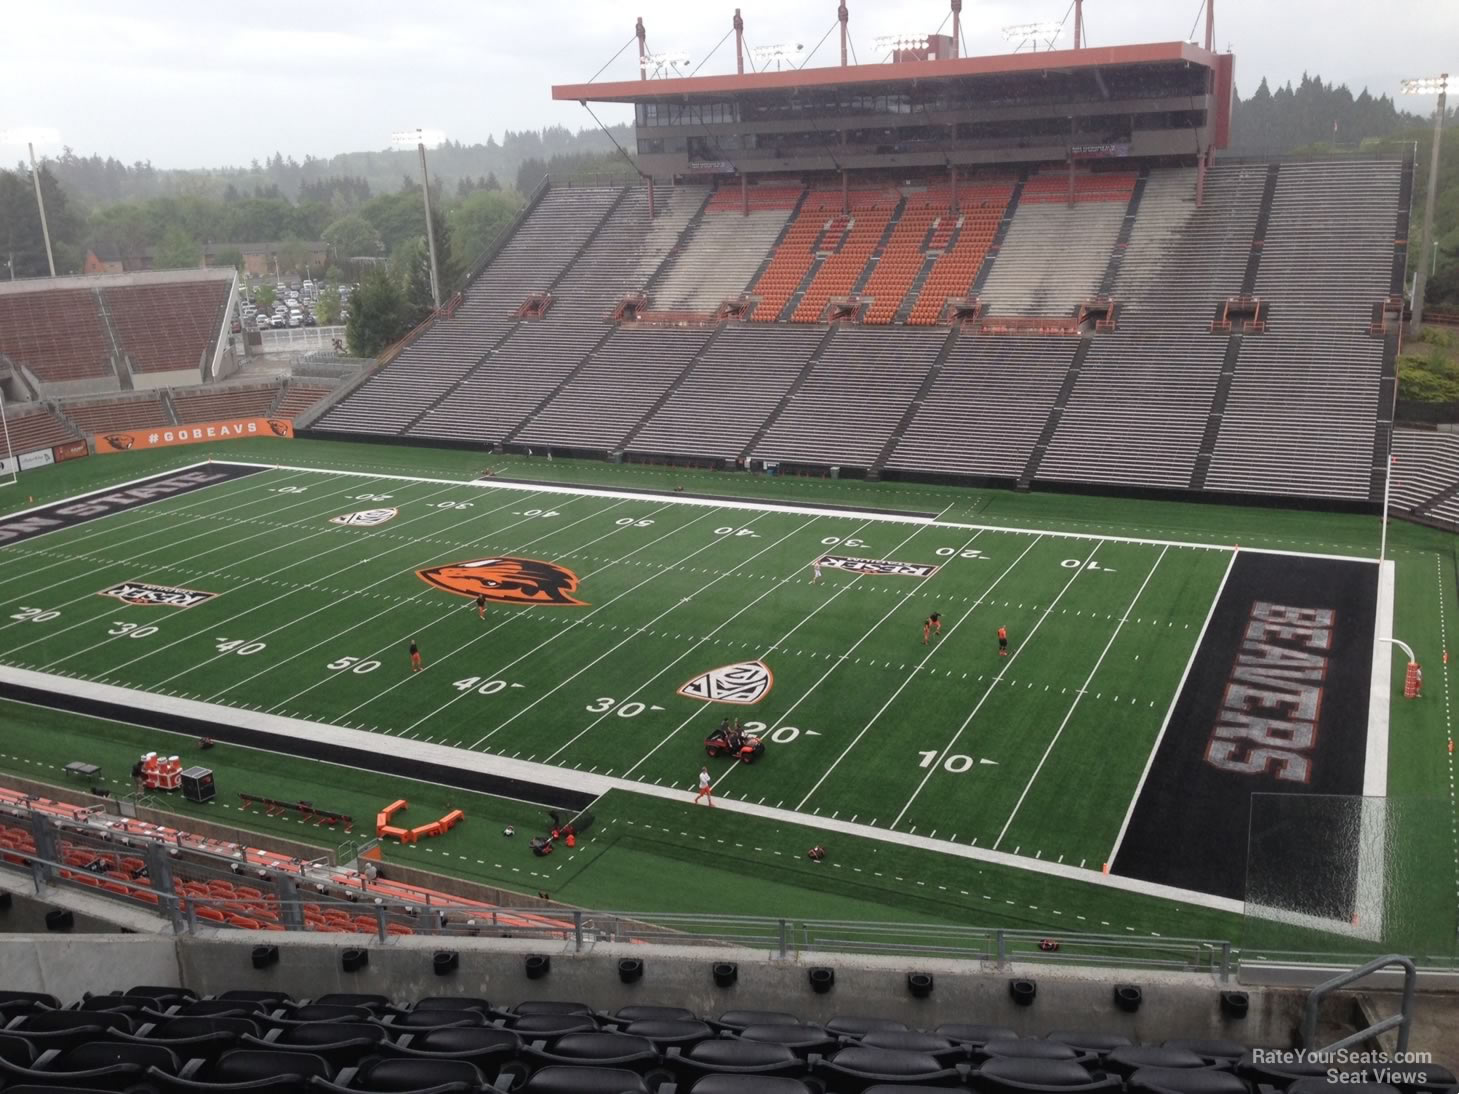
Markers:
(962, 244)
(36, 429)
(617, 386)
(1138, 411)
(214, 404)
(298, 398)
(733, 387)
(819, 216)
(1425, 467)
(718, 258)
(1302, 414)
(986, 408)
(56, 333)
(427, 369)
(169, 326)
(147, 1037)
(851, 249)
(146, 412)
(853, 397)
(903, 256)
(1055, 254)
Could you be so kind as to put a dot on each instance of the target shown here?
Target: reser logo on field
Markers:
(143, 594)
(878, 566)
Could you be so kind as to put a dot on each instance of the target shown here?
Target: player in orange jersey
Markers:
(1002, 641)
(932, 625)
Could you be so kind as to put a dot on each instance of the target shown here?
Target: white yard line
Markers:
(145, 514)
(1078, 697)
(85, 598)
(753, 505)
(356, 625)
(840, 660)
(643, 627)
(1022, 645)
(287, 730)
(799, 568)
(506, 616)
(152, 651)
(915, 670)
(1170, 710)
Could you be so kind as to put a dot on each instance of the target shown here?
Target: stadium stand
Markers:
(168, 326)
(297, 398)
(851, 241)
(1302, 413)
(986, 407)
(903, 256)
(853, 398)
(1138, 410)
(734, 386)
(34, 429)
(617, 385)
(58, 334)
(960, 247)
(1425, 470)
(817, 224)
(427, 369)
(213, 404)
(724, 249)
(540, 354)
(138, 412)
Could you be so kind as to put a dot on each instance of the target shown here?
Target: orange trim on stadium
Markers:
(685, 87)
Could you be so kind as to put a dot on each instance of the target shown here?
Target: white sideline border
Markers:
(753, 505)
(364, 740)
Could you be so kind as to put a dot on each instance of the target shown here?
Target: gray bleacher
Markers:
(984, 412)
(621, 380)
(853, 398)
(719, 259)
(1052, 258)
(729, 392)
(436, 361)
(1304, 403)
(1138, 410)
(1425, 466)
(495, 398)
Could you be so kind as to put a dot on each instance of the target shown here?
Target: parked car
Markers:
(278, 321)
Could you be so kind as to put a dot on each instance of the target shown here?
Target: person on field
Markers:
(705, 790)
(931, 626)
(815, 572)
(415, 662)
(1002, 641)
(480, 605)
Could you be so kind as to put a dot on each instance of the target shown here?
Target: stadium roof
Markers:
(886, 76)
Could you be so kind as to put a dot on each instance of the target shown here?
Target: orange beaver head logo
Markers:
(280, 428)
(506, 579)
(119, 441)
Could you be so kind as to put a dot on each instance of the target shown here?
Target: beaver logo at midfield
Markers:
(506, 579)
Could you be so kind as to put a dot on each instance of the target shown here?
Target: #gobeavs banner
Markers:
(231, 430)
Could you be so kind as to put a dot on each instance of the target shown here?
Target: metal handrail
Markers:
(1403, 1020)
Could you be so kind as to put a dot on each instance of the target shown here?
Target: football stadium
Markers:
(943, 519)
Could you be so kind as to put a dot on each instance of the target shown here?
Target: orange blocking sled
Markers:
(385, 830)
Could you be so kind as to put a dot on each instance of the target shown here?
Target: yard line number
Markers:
(36, 615)
(241, 646)
(482, 686)
(353, 664)
(131, 630)
(957, 763)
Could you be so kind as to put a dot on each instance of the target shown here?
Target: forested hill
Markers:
(1310, 113)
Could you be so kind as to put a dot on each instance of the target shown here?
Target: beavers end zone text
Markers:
(621, 625)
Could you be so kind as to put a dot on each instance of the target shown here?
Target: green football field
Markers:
(1038, 754)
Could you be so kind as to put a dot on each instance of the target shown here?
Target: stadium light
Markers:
(1026, 32)
(420, 138)
(30, 138)
(1427, 85)
(778, 53)
(899, 43)
(671, 61)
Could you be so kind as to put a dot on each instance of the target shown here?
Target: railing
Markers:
(300, 338)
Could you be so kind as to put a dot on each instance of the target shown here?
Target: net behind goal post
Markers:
(9, 462)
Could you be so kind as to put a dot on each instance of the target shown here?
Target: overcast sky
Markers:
(185, 84)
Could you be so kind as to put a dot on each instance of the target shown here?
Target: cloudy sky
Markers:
(184, 83)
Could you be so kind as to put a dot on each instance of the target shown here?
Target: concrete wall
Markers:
(147, 381)
(72, 965)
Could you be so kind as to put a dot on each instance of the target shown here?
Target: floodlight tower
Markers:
(957, 22)
(1031, 33)
(420, 138)
(29, 137)
(1078, 24)
(642, 35)
(1210, 25)
(739, 42)
(843, 17)
(1427, 86)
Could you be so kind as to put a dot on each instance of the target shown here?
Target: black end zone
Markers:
(1276, 703)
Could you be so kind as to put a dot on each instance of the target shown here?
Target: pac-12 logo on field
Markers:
(507, 579)
(365, 518)
(745, 684)
(142, 593)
